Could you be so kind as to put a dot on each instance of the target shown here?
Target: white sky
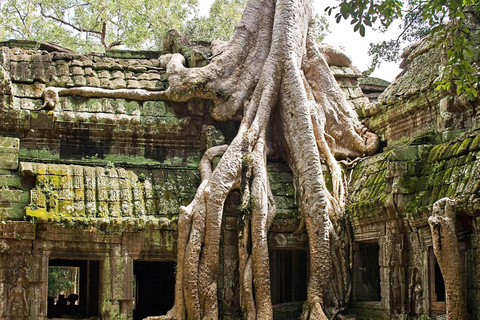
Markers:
(342, 35)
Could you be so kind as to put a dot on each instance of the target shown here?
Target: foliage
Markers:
(444, 18)
(100, 25)
(321, 27)
(94, 25)
(59, 281)
(223, 17)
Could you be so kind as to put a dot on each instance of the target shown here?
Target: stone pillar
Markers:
(118, 285)
(392, 270)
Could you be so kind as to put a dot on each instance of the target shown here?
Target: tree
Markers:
(274, 78)
(99, 25)
(224, 16)
(95, 25)
(450, 259)
(444, 20)
(59, 280)
(219, 25)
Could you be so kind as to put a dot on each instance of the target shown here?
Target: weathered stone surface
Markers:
(9, 149)
(102, 179)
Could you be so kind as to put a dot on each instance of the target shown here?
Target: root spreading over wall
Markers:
(273, 77)
(450, 259)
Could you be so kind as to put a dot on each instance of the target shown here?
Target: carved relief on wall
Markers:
(415, 290)
(18, 271)
(17, 301)
(397, 276)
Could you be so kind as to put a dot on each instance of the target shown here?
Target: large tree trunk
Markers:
(272, 66)
(273, 78)
(450, 258)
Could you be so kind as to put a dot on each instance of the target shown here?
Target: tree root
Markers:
(272, 66)
(449, 257)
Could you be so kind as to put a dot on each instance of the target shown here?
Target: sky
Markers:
(342, 35)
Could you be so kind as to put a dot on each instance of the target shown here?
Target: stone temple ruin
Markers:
(92, 188)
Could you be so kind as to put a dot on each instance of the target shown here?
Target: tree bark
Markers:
(272, 77)
(274, 67)
(449, 257)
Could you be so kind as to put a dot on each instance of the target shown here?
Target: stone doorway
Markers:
(77, 295)
(288, 278)
(154, 287)
(366, 273)
(436, 286)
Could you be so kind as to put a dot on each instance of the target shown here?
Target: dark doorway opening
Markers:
(154, 288)
(77, 292)
(437, 287)
(288, 273)
(366, 272)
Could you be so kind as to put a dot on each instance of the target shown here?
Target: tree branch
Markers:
(22, 19)
(45, 15)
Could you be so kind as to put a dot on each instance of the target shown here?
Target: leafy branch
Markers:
(445, 19)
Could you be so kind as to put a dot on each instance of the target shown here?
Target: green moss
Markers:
(475, 145)
(131, 106)
(415, 203)
(370, 181)
(409, 184)
(41, 213)
(463, 148)
(422, 183)
(451, 163)
(380, 177)
(93, 105)
(437, 167)
(447, 175)
(451, 191)
(439, 180)
(447, 151)
(404, 153)
(413, 168)
(376, 190)
(434, 196)
(434, 153)
(42, 154)
(461, 160)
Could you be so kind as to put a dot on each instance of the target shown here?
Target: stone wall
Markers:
(431, 151)
(102, 180)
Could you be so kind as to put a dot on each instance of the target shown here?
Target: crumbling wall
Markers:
(431, 151)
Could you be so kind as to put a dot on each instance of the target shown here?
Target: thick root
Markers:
(312, 310)
(265, 70)
(449, 257)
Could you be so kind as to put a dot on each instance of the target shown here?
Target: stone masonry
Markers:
(96, 183)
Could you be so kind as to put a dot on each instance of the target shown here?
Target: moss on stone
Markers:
(475, 145)
(434, 153)
(42, 154)
(409, 185)
(37, 212)
(463, 148)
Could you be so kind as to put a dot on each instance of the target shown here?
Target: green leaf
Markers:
(467, 53)
(344, 11)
